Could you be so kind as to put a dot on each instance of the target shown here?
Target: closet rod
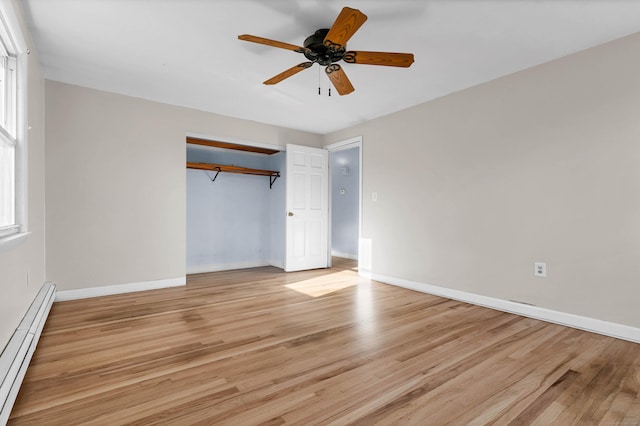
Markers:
(273, 175)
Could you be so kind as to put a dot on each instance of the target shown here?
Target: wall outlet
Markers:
(374, 196)
(540, 269)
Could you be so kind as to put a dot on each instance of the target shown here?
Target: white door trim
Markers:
(339, 146)
(345, 144)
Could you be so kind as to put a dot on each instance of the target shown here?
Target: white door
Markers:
(307, 208)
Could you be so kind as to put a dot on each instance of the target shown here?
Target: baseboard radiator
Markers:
(17, 354)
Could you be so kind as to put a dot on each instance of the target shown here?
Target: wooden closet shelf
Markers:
(227, 145)
(273, 175)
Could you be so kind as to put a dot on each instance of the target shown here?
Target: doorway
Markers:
(235, 205)
(345, 159)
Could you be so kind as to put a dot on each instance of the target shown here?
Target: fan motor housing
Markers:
(321, 53)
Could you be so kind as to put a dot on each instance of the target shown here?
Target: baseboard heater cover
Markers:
(16, 356)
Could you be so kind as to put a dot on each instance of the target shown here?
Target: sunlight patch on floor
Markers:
(326, 284)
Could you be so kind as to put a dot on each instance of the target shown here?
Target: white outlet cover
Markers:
(374, 196)
(540, 269)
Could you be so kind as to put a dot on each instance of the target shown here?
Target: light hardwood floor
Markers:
(318, 347)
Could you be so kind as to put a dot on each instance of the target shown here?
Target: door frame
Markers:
(340, 146)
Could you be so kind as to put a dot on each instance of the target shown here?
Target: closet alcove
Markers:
(235, 206)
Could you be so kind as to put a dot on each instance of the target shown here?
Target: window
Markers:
(10, 213)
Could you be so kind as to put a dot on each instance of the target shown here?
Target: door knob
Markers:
(290, 214)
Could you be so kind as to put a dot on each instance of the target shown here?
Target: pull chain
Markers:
(319, 85)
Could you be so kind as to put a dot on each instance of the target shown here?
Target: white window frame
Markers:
(14, 44)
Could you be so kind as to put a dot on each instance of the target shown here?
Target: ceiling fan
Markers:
(329, 46)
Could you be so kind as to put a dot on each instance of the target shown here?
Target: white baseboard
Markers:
(365, 273)
(216, 267)
(83, 293)
(277, 263)
(344, 255)
(606, 328)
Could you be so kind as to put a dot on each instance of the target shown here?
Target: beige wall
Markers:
(22, 264)
(116, 183)
(542, 165)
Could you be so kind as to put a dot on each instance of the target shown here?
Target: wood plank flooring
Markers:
(317, 347)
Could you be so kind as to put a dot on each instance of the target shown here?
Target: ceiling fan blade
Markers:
(288, 73)
(274, 43)
(345, 26)
(339, 79)
(388, 59)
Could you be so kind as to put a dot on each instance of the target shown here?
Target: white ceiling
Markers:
(186, 52)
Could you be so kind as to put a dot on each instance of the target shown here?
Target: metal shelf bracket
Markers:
(272, 180)
(213, 179)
